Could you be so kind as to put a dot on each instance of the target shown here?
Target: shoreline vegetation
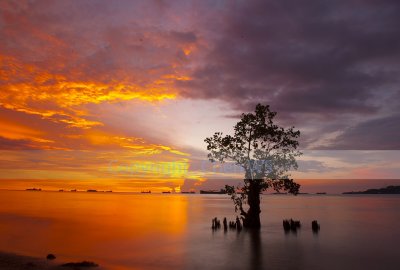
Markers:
(11, 261)
(385, 190)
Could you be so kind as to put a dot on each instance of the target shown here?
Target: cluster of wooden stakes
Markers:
(288, 225)
(293, 225)
(233, 225)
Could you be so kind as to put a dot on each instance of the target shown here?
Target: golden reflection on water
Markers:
(94, 225)
(168, 231)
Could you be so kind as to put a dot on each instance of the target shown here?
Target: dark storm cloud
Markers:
(187, 37)
(316, 60)
(313, 166)
(382, 132)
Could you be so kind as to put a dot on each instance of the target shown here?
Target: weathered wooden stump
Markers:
(215, 224)
(286, 225)
(232, 225)
(291, 225)
(225, 224)
(315, 226)
(238, 224)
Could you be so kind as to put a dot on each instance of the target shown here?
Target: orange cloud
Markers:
(28, 89)
(15, 131)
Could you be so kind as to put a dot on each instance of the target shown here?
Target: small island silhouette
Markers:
(386, 190)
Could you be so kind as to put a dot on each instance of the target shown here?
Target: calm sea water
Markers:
(166, 231)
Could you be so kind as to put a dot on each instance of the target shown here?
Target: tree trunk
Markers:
(252, 217)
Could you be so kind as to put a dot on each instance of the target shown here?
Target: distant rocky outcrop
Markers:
(77, 265)
(386, 190)
(33, 189)
(221, 191)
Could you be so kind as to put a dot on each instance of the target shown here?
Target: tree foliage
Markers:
(263, 149)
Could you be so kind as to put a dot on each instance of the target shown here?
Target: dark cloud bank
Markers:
(331, 68)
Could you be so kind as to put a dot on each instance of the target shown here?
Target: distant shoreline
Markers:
(366, 192)
(11, 261)
(386, 190)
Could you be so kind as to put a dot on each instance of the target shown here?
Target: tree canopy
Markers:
(266, 152)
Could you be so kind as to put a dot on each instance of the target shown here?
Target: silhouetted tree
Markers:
(265, 151)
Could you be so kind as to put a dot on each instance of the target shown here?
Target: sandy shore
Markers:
(9, 261)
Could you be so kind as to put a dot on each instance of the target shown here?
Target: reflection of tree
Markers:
(255, 250)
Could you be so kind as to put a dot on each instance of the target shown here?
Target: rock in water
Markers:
(50, 256)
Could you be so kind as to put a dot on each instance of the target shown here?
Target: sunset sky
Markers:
(121, 94)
